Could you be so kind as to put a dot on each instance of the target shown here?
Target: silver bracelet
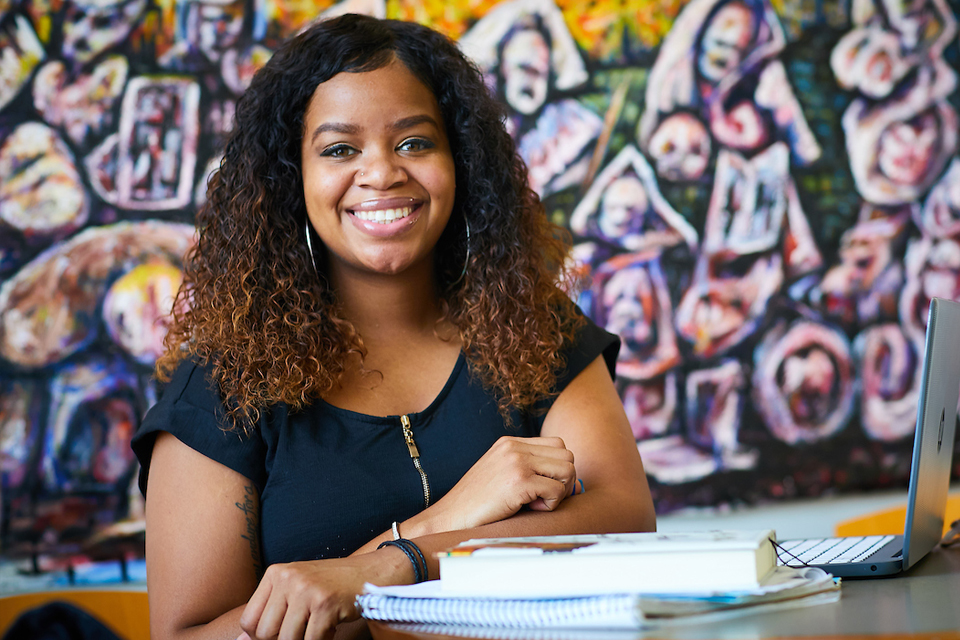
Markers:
(396, 530)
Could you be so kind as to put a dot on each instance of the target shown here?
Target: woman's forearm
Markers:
(224, 627)
(598, 510)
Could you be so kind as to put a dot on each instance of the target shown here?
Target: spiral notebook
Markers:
(427, 603)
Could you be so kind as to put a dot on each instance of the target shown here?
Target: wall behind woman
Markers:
(764, 195)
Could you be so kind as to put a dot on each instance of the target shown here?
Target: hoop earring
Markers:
(466, 260)
(306, 228)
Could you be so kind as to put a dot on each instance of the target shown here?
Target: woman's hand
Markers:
(307, 600)
(513, 473)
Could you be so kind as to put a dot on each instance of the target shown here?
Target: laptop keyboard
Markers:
(829, 550)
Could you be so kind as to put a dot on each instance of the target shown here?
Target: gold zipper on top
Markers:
(415, 454)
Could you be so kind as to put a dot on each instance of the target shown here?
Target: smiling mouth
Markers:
(385, 216)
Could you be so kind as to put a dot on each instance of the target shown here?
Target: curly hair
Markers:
(254, 308)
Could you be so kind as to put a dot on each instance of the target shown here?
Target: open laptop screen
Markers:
(936, 425)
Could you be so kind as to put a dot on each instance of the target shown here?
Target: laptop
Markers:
(868, 556)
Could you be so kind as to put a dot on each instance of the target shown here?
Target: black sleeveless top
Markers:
(331, 479)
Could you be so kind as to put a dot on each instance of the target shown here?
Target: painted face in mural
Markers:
(647, 408)
(808, 381)
(93, 26)
(908, 148)
(865, 256)
(889, 389)
(870, 61)
(941, 275)
(526, 71)
(722, 308)
(239, 67)
(681, 147)
(116, 420)
(214, 26)
(378, 173)
(92, 444)
(623, 206)
(628, 298)
(136, 309)
(714, 406)
(725, 42)
(803, 382)
(41, 191)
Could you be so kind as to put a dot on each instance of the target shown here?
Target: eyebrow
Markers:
(335, 127)
(352, 129)
(412, 121)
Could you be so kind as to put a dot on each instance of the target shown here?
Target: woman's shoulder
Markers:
(189, 401)
(192, 383)
(191, 409)
(589, 342)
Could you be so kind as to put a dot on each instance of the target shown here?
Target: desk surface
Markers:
(920, 604)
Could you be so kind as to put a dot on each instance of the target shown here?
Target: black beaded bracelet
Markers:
(399, 544)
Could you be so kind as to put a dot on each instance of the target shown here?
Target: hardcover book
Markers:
(652, 563)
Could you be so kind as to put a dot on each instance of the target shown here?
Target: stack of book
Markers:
(616, 581)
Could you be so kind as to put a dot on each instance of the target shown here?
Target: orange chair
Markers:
(124, 611)
(891, 521)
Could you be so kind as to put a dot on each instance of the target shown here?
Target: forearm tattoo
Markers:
(250, 508)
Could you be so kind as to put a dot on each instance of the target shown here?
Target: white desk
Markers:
(922, 604)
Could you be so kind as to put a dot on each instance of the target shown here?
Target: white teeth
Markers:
(384, 216)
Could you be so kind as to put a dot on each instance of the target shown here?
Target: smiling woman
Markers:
(371, 341)
(378, 173)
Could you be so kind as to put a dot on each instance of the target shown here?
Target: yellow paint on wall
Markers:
(450, 18)
(292, 15)
(599, 26)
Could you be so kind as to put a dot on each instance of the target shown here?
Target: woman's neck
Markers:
(409, 353)
(383, 307)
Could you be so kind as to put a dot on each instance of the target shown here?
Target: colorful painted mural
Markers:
(764, 195)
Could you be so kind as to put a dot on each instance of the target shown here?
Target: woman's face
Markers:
(378, 173)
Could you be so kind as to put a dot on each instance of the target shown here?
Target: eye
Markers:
(415, 144)
(338, 151)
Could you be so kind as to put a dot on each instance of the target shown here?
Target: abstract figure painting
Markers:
(762, 195)
(526, 51)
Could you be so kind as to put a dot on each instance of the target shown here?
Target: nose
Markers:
(381, 170)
